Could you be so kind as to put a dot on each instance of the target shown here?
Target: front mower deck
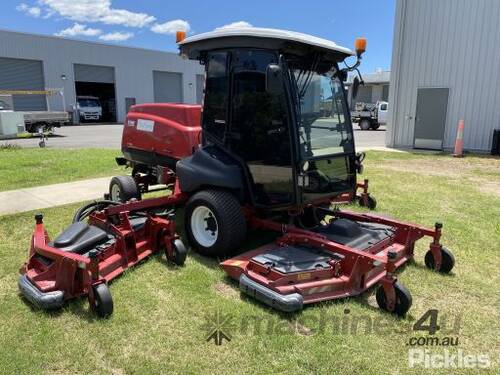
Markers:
(345, 257)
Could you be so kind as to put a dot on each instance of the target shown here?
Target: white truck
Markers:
(89, 108)
(370, 116)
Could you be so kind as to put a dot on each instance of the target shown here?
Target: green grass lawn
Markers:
(24, 167)
(161, 310)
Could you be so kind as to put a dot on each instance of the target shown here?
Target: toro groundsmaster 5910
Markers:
(276, 149)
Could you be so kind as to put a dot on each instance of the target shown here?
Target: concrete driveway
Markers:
(109, 136)
(79, 136)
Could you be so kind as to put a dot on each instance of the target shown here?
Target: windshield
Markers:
(323, 129)
(89, 102)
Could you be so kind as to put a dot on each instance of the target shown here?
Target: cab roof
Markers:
(252, 37)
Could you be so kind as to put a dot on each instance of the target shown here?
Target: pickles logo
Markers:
(218, 327)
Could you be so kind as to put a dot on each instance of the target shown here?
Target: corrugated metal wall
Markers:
(453, 44)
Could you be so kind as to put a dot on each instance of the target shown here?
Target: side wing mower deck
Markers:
(345, 257)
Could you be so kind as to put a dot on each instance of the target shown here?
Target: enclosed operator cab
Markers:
(276, 126)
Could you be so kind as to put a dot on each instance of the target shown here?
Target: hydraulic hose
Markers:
(86, 210)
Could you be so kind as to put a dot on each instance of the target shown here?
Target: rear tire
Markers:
(123, 189)
(215, 224)
(365, 124)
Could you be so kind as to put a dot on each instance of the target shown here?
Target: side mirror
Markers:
(355, 87)
(274, 79)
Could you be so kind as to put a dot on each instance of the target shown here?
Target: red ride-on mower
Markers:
(87, 255)
(277, 150)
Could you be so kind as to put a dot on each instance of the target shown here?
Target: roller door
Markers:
(20, 74)
(167, 87)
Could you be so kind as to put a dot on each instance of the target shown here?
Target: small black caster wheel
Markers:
(41, 144)
(403, 299)
(447, 260)
(179, 253)
(372, 202)
(103, 303)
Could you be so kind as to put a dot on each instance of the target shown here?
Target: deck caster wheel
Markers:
(372, 202)
(103, 303)
(41, 144)
(447, 260)
(123, 189)
(179, 253)
(403, 299)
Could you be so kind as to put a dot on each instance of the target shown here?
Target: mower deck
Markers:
(87, 255)
(343, 258)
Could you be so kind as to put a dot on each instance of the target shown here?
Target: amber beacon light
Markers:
(180, 36)
(360, 46)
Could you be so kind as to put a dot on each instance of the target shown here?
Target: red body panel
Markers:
(171, 130)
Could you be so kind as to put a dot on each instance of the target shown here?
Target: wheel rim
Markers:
(204, 226)
(115, 193)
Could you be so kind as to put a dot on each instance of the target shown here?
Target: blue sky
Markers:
(151, 23)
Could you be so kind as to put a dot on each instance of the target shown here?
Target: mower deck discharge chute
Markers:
(275, 151)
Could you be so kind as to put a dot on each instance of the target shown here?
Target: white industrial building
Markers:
(445, 67)
(118, 76)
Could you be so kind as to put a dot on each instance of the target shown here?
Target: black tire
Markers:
(103, 303)
(372, 202)
(230, 226)
(123, 189)
(447, 260)
(403, 299)
(375, 125)
(365, 124)
(179, 253)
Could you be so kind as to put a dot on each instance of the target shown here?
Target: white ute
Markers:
(370, 116)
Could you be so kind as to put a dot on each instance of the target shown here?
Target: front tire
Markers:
(215, 224)
(375, 125)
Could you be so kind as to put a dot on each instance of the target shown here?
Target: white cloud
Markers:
(79, 30)
(116, 37)
(96, 11)
(171, 27)
(235, 25)
(31, 11)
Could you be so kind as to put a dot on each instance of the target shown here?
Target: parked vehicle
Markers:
(89, 108)
(370, 116)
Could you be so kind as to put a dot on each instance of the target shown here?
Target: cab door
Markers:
(259, 129)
